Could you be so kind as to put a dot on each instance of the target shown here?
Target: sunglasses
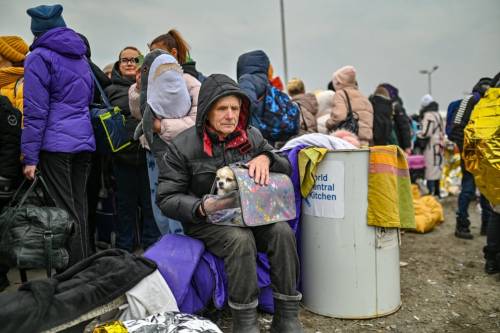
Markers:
(134, 61)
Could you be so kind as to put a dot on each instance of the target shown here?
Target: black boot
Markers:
(462, 229)
(245, 321)
(286, 317)
(491, 266)
(463, 233)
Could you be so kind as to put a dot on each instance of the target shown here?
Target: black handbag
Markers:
(350, 123)
(34, 236)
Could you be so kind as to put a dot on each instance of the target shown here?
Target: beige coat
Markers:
(325, 106)
(308, 110)
(361, 106)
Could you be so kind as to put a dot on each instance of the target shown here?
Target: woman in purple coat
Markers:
(57, 137)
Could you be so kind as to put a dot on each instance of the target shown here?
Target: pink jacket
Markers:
(360, 105)
(170, 128)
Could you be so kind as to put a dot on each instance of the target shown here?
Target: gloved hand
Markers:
(212, 204)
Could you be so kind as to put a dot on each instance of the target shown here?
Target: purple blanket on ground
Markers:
(197, 277)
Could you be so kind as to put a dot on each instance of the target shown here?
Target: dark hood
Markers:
(482, 85)
(433, 106)
(214, 87)
(63, 41)
(117, 78)
(253, 62)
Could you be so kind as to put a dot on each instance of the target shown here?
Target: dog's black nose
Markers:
(221, 184)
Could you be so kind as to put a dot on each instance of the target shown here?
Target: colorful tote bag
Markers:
(258, 205)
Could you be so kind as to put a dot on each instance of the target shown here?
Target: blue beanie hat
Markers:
(44, 18)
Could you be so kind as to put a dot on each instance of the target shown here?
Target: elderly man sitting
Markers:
(220, 137)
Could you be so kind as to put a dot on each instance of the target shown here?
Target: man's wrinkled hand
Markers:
(258, 169)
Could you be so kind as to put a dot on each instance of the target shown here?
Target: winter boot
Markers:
(462, 230)
(491, 266)
(286, 317)
(463, 233)
(245, 321)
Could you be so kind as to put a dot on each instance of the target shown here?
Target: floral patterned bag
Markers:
(259, 205)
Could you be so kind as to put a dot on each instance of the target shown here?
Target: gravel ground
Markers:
(443, 287)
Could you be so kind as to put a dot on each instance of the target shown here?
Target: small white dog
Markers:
(225, 181)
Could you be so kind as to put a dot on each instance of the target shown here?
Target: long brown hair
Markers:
(173, 40)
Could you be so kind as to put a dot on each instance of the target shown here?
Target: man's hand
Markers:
(408, 151)
(157, 125)
(258, 169)
(29, 171)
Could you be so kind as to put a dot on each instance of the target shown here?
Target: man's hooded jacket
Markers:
(188, 167)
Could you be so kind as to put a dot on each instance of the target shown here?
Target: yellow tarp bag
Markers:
(423, 218)
(434, 207)
(428, 211)
(481, 152)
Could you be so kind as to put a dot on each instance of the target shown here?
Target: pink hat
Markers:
(344, 77)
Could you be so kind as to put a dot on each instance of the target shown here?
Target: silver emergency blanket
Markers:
(171, 322)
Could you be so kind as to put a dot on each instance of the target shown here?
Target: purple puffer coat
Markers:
(57, 93)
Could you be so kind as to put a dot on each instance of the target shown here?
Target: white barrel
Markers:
(349, 269)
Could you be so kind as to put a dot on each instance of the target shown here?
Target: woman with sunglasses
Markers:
(129, 164)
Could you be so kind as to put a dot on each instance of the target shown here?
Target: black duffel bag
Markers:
(34, 236)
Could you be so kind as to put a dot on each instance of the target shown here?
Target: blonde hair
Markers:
(295, 87)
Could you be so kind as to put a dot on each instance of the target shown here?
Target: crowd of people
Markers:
(182, 126)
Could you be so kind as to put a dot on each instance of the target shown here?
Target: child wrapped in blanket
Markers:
(167, 93)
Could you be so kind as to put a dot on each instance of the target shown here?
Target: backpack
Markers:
(460, 120)
(281, 117)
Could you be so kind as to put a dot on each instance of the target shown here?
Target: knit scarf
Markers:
(9, 75)
(237, 139)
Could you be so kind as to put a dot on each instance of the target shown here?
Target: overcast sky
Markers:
(386, 40)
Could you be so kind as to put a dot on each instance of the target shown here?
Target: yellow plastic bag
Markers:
(423, 217)
(434, 207)
(428, 211)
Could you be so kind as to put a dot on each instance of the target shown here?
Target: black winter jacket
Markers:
(382, 119)
(43, 304)
(117, 94)
(10, 139)
(187, 172)
(402, 122)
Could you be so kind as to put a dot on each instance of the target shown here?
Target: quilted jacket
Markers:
(57, 94)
